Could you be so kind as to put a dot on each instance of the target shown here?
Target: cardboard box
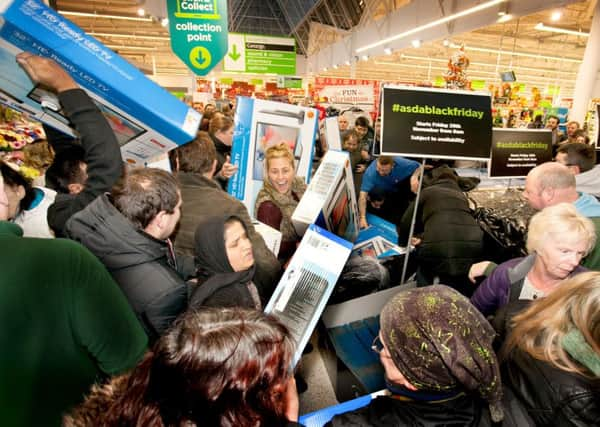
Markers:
(271, 236)
(307, 283)
(330, 199)
(146, 119)
(259, 124)
(379, 240)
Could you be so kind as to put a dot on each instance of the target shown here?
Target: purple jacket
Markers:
(494, 292)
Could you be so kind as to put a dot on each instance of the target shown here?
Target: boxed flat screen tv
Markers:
(307, 283)
(260, 124)
(330, 199)
(146, 119)
(379, 240)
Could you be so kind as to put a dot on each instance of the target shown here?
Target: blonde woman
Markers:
(281, 192)
(558, 239)
(552, 356)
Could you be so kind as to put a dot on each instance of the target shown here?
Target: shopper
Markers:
(202, 198)
(215, 367)
(129, 231)
(552, 356)
(580, 158)
(279, 196)
(558, 239)
(86, 171)
(447, 236)
(436, 350)
(28, 205)
(65, 324)
(221, 131)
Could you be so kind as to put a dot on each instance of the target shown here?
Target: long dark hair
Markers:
(215, 367)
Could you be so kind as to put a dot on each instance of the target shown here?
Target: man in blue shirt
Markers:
(388, 174)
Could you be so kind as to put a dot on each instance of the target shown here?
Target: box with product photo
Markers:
(330, 199)
(271, 236)
(307, 283)
(260, 124)
(146, 119)
(379, 240)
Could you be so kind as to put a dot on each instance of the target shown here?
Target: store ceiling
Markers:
(318, 23)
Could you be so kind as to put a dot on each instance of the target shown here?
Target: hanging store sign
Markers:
(516, 151)
(248, 53)
(198, 31)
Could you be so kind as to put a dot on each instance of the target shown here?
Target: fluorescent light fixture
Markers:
(387, 51)
(347, 62)
(435, 23)
(556, 15)
(446, 42)
(100, 15)
(416, 43)
(335, 66)
(164, 22)
(542, 27)
(515, 53)
(129, 47)
(129, 36)
(324, 68)
(141, 12)
(504, 18)
(365, 57)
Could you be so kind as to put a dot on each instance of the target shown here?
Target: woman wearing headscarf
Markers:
(225, 265)
(551, 359)
(436, 350)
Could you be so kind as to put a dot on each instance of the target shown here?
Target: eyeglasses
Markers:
(377, 345)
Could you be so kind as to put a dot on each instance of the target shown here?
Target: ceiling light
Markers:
(446, 42)
(387, 51)
(365, 57)
(141, 12)
(324, 68)
(100, 15)
(435, 23)
(542, 27)
(335, 66)
(164, 22)
(129, 36)
(347, 62)
(416, 43)
(505, 18)
(514, 53)
(556, 15)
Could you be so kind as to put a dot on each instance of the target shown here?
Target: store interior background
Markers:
(328, 34)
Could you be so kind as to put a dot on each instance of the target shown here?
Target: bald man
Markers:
(551, 183)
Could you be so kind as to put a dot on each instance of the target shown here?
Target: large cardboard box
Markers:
(330, 199)
(259, 124)
(146, 119)
(271, 236)
(307, 283)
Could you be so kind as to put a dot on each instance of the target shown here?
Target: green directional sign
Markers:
(251, 53)
(198, 31)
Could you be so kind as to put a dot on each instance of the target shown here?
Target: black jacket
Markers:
(143, 266)
(223, 150)
(102, 156)
(552, 396)
(451, 238)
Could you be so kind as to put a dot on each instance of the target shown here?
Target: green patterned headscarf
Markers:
(440, 342)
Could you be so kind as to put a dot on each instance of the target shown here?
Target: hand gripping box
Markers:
(146, 119)
(330, 199)
(260, 124)
(307, 283)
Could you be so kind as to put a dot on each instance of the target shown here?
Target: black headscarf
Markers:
(213, 264)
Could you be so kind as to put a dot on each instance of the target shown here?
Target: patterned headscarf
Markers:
(440, 342)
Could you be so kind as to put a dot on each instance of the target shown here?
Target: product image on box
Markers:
(260, 124)
(147, 120)
(307, 283)
(330, 199)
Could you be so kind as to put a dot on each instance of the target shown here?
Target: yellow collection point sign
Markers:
(198, 30)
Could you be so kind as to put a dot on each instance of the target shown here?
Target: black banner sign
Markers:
(516, 151)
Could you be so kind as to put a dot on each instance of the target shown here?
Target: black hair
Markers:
(66, 169)
(14, 179)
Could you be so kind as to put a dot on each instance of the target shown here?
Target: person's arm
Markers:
(102, 152)
(403, 227)
(486, 297)
(102, 319)
(481, 269)
(362, 209)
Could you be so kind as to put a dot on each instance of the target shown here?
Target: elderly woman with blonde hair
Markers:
(558, 239)
(552, 356)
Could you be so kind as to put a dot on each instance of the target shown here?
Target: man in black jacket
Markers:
(129, 231)
(80, 173)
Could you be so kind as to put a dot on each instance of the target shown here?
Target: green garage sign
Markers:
(198, 31)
